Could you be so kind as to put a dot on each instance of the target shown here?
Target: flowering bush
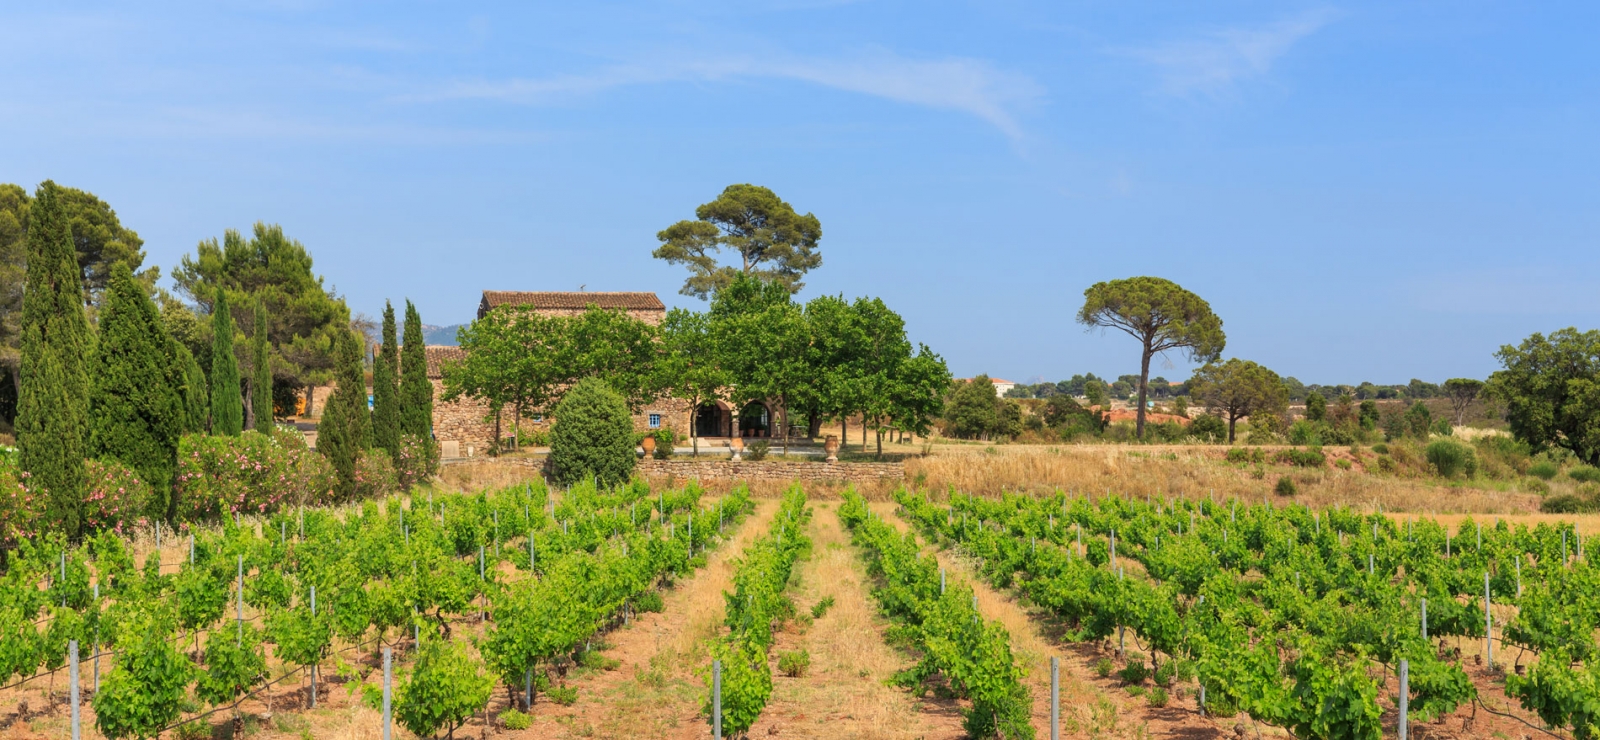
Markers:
(116, 498)
(18, 512)
(418, 462)
(252, 472)
(375, 474)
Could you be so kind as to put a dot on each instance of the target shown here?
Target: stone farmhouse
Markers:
(466, 427)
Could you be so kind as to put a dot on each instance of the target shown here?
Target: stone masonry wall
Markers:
(771, 470)
(464, 422)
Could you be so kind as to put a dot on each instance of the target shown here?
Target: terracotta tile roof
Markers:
(438, 355)
(572, 300)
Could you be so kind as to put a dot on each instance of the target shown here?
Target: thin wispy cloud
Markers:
(971, 86)
(1214, 63)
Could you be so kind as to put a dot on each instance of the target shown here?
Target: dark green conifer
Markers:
(261, 373)
(385, 390)
(196, 401)
(344, 430)
(227, 403)
(53, 394)
(136, 408)
(416, 392)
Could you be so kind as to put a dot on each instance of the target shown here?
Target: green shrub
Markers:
(1237, 455)
(1543, 469)
(1209, 428)
(666, 439)
(1103, 667)
(1135, 672)
(1585, 474)
(1337, 435)
(1386, 464)
(1219, 704)
(1534, 485)
(1165, 673)
(1157, 697)
(251, 473)
(592, 436)
(649, 601)
(1185, 670)
(1381, 448)
(1343, 464)
(1310, 457)
(566, 696)
(598, 661)
(1565, 503)
(512, 719)
(757, 451)
(1285, 487)
(794, 663)
(1304, 432)
(1451, 458)
(821, 607)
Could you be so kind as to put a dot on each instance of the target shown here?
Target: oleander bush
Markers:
(115, 497)
(252, 472)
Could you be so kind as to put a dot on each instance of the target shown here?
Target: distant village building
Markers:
(469, 423)
(1000, 386)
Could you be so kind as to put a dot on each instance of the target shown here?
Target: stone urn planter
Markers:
(830, 445)
(737, 445)
(648, 444)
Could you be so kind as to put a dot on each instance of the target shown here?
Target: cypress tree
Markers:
(196, 401)
(261, 373)
(343, 431)
(385, 391)
(137, 410)
(227, 404)
(53, 395)
(416, 392)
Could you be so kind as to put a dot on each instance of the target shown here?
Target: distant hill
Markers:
(445, 335)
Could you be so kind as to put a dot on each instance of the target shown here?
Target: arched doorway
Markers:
(709, 421)
(755, 420)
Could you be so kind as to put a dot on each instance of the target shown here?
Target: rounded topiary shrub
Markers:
(592, 436)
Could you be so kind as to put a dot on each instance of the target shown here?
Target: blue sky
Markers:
(1363, 191)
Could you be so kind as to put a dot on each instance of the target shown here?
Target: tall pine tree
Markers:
(385, 390)
(136, 398)
(53, 398)
(227, 404)
(416, 392)
(344, 430)
(261, 373)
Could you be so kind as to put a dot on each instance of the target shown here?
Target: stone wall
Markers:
(463, 421)
(771, 470)
(746, 470)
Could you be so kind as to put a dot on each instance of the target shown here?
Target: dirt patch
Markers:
(657, 691)
(845, 695)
